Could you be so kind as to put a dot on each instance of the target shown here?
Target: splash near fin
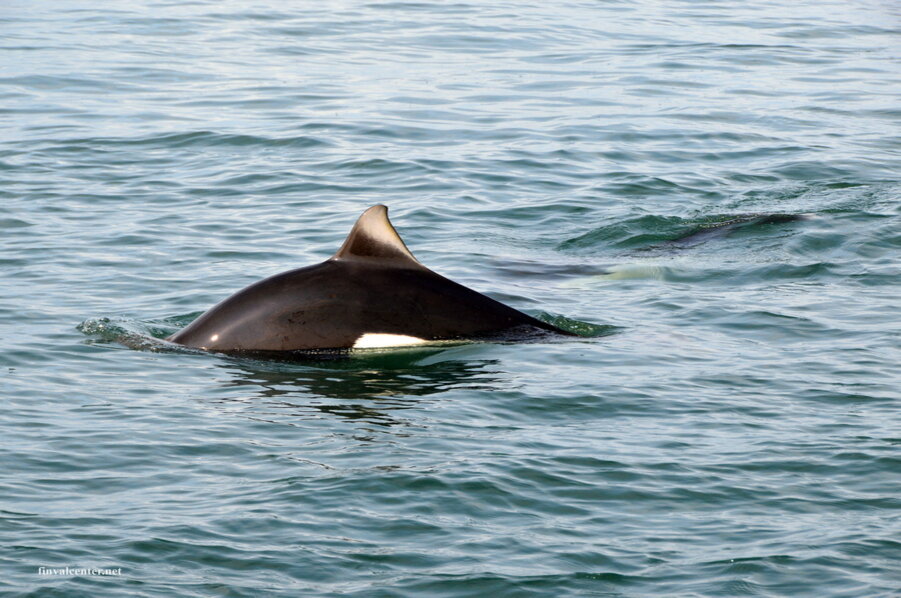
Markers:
(373, 237)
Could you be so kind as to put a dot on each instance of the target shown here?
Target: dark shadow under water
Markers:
(720, 230)
(670, 234)
(643, 236)
(370, 374)
(365, 387)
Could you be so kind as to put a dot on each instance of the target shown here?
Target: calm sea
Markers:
(727, 425)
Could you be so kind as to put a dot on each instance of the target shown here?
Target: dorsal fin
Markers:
(373, 237)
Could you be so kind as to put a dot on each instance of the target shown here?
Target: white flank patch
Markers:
(375, 340)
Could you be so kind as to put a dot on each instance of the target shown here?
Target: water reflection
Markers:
(368, 384)
(385, 381)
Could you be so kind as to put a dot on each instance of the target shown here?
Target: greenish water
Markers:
(730, 427)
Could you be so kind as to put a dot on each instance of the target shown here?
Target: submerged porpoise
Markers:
(372, 293)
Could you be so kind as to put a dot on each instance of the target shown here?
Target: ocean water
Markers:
(708, 192)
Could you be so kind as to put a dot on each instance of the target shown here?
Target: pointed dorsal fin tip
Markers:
(374, 237)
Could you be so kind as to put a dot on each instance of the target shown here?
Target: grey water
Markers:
(706, 192)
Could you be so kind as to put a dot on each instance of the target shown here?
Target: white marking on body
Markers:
(214, 338)
(375, 340)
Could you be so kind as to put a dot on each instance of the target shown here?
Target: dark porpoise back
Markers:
(372, 286)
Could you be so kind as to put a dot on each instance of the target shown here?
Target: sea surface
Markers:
(708, 192)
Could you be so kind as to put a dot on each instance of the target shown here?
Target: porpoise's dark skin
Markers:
(373, 285)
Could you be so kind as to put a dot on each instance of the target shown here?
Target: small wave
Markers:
(136, 334)
(672, 232)
(578, 327)
(203, 139)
